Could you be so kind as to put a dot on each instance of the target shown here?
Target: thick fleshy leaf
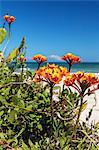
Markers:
(2, 35)
(22, 45)
(13, 55)
(15, 52)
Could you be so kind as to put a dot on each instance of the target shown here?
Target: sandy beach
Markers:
(92, 102)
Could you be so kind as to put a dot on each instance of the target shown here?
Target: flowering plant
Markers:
(29, 116)
(82, 81)
(22, 59)
(71, 59)
(52, 74)
(9, 19)
(39, 58)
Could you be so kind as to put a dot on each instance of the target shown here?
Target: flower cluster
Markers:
(22, 59)
(71, 59)
(39, 58)
(81, 81)
(52, 73)
(9, 19)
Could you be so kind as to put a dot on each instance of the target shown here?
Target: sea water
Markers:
(92, 67)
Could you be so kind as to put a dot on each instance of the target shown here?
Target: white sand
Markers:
(92, 102)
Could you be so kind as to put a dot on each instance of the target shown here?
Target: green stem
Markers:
(51, 100)
(3, 51)
(79, 113)
(9, 25)
(7, 40)
(22, 66)
(51, 107)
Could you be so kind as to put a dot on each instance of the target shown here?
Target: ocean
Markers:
(92, 67)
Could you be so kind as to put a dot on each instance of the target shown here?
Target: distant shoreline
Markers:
(92, 67)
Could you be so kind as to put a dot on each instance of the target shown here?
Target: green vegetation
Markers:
(29, 117)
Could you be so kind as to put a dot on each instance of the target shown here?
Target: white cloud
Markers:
(56, 57)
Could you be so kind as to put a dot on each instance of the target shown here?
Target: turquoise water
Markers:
(86, 67)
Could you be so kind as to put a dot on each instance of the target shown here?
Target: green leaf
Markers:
(22, 45)
(2, 35)
(66, 147)
(19, 93)
(1, 113)
(24, 146)
(1, 148)
(11, 117)
(33, 147)
(46, 94)
(62, 142)
(56, 87)
(21, 103)
(29, 73)
(35, 98)
(18, 102)
(40, 127)
(13, 55)
(2, 135)
(97, 125)
(29, 107)
(20, 132)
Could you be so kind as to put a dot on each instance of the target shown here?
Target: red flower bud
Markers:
(9, 19)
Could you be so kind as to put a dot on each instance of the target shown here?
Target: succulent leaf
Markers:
(2, 35)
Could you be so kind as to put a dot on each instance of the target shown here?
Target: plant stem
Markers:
(77, 121)
(69, 69)
(3, 51)
(38, 66)
(79, 113)
(22, 66)
(7, 40)
(51, 100)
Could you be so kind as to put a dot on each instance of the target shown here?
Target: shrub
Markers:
(30, 118)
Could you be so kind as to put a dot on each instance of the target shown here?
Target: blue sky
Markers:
(54, 28)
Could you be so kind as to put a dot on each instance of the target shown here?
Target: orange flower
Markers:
(52, 73)
(52, 66)
(71, 59)
(87, 78)
(70, 79)
(6, 17)
(64, 71)
(22, 59)
(39, 58)
(9, 19)
(82, 81)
